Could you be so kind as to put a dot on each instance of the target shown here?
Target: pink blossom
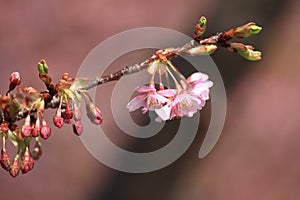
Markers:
(149, 99)
(198, 84)
(184, 104)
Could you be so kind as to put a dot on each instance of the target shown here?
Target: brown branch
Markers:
(219, 39)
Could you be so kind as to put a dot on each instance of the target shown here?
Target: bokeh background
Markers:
(257, 155)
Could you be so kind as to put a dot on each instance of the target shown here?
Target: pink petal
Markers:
(197, 77)
(136, 103)
(164, 112)
(167, 92)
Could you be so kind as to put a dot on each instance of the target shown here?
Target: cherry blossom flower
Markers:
(189, 96)
(184, 104)
(199, 85)
(149, 99)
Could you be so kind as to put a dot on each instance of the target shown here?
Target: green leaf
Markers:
(13, 138)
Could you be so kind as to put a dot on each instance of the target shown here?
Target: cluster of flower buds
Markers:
(33, 127)
(211, 44)
(71, 92)
(244, 31)
(188, 96)
(24, 158)
(30, 104)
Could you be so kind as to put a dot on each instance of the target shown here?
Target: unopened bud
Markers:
(26, 129)
(45, 130)
(15, 78)
(69, 112)
(94, 114)
(58, 120)
(77, 128)
(43, 67)
(247, 51)
(200, 28)
(5, 160)
(15, 168)
(27, 162)
(244, 31)
(37, 128)
(4, 127)
(14, 81)
(202, 50)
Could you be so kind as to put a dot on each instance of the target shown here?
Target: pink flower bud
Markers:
(4, 127)
(15, 78)
(37, 128)
(94, 114)
(14, 168)
(69, 113)
(67, 121)
(58, 120)
(5, 160)
(26, 129)
(77, 128)
(27, 162)
(45, 130)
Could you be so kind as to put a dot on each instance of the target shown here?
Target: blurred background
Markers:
(257, 155)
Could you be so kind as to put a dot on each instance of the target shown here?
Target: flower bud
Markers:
(15, 168)
(244, 31)
(14, 81)
(94, 114)
(5, 160)
(4, 127)
(45, 130)
(77, 128)
(37, 128)
(15, 78)
(43, 67)
(202, 50)
(200, 28)
(68, 112)
(27, 162)
(247, 51)
(26, 129)
(58, 120)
